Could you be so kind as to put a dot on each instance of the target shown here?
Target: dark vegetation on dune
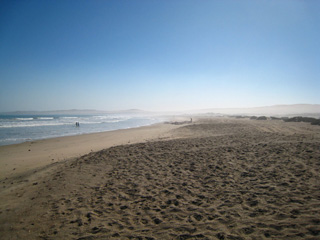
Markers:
(313, 121)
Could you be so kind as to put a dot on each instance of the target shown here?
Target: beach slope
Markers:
(213, 179)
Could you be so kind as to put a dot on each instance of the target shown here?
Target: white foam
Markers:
(24, 119)
(45, 118)
(69, 117)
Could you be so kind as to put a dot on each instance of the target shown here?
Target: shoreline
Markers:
(17, 159)
(20, 130)
(79, 134)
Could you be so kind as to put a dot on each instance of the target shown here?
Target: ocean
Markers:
(22, 128)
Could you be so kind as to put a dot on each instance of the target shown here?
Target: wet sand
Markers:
(213, 179)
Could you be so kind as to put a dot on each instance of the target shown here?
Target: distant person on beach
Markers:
(77, 124)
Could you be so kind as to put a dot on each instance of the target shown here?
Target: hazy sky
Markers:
(158, 55)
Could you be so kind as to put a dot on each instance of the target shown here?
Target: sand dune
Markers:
(213, 179)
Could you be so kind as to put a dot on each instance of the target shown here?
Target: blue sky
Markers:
(158, 55)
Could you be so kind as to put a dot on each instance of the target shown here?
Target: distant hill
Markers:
(276, 110)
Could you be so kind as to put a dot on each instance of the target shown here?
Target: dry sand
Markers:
(213, 179)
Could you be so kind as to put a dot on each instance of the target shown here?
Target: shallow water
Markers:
(21, 128)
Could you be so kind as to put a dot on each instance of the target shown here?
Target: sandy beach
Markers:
(22, 158)
(219, 178)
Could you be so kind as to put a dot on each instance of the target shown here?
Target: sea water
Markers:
(21, 128)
